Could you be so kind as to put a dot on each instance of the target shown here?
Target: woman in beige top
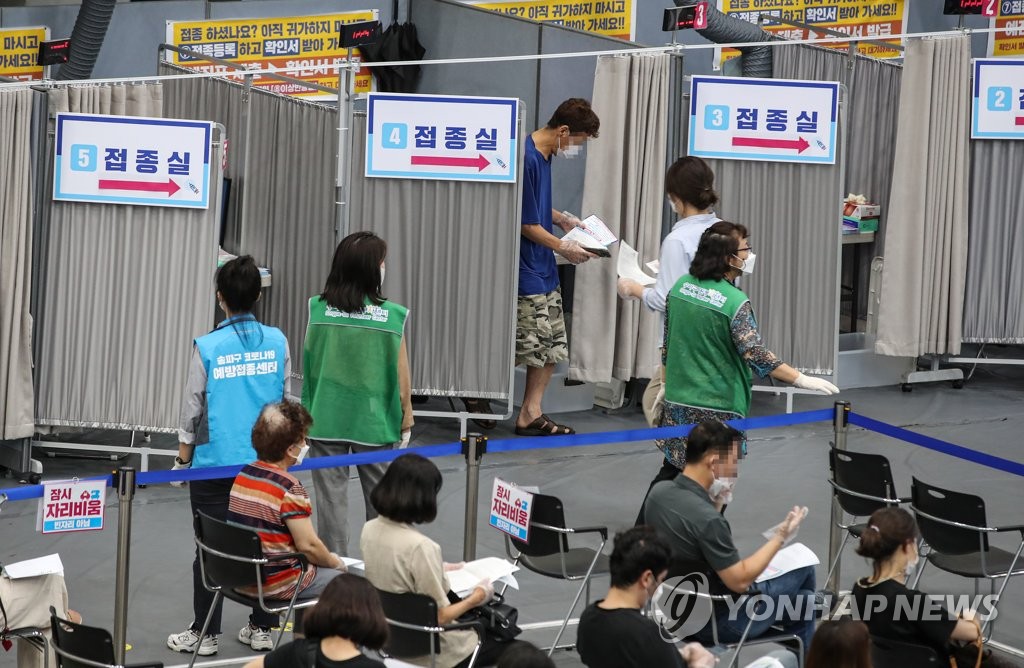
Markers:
(401, 560)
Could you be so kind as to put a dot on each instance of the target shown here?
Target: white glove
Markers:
(697, 656)
(406, 437)
(627, 288)
(488, 590)
(179, 465)
(340, 566)
(573, 251)
(787, 528)
(816, 384)
(569, 221)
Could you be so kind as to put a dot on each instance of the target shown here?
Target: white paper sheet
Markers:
(31, 568)
(351, 563)
(629, 265)
(492, 569)
(789, 559)
(593, 233)
(654, 266)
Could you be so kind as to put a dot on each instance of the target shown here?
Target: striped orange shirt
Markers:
(262, 498)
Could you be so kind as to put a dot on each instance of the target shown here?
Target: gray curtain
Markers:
(922, 293)
(16, 415)
(453, 259)
(873, 102)
(993, 311)
(127, 288)
(625, 187)
(282, 189)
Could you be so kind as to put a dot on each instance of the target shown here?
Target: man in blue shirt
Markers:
(540, 330)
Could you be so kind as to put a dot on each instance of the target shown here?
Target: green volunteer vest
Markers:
(350, 372)
(702, 367)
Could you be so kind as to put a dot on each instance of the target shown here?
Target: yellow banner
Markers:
(310, 43)
(613, 18)
(859, 18)
(1009, 41)
(19, 52)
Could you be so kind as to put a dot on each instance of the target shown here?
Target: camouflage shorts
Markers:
(540, 330)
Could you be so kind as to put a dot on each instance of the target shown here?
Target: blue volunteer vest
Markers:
(244, 363)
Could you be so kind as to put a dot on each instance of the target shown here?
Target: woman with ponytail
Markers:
(885, 603)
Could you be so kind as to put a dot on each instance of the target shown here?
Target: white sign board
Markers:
(998, 99)
(511, 508)
(73, 505)
(441, 137)
(775, 120)
(132, 160)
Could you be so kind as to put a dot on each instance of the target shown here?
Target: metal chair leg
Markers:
(575, 601)
(835, 562)
(206, 624)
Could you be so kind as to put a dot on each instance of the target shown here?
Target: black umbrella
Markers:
(399, 42)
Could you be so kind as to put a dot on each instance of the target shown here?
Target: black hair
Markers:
(711, 436)
(637, 550)
(577, 114)
(355, 272)
(279, 426)
(348, 607)
(888, 530)
(840, 644)
(521, 654)
(691, 180)
(718, 243)
(238, 283)
(408, 490)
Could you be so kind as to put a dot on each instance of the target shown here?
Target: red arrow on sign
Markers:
(799, 144)
(170, 187)
(480, 162)
(1018, 120)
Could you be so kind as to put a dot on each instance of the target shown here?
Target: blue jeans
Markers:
(796, 616)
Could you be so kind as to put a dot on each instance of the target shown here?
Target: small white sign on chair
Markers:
(511, 507)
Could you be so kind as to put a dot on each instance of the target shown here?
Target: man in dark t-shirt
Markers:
(612, 632)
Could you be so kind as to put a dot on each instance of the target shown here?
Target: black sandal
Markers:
(480, 406)
(544, 426)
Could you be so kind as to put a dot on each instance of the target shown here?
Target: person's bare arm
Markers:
(741, 575)
(255, 663)
(405, 386)
(308, 543)
(967, 630)
(450, 613)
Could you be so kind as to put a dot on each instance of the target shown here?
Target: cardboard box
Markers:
(861, 224)
(851, 210)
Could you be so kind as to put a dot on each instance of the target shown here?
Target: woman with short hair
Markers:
(399, 559)
(356, 380)
(840, 644)
(347, 617)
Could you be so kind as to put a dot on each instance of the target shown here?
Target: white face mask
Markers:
(748, 265)
(570, 151)
(303, 449)
(382, 273)
(721, 489)
(912, 566)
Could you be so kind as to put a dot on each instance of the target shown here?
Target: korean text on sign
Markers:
(876, 19)
(511, 508)
(776, 120)
(998, 99)
(1009, 22)
(614, 18)
(72, 505)
(19, 52)
(308, 45)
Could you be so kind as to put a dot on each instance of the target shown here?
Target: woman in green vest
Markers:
(355, 378)
(712, 342)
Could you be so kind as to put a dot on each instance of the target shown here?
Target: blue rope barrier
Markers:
(36, 491)
(945, 447)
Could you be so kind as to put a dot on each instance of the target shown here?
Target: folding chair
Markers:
(413, 627)
(32, 635)
(861, 484)
(887, 653)
(231, 557)
(711, 599)
(546, 551)
(953, 525)
(80, 646)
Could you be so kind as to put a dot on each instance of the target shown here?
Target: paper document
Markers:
(629, 265)
(592, 233)
(654, 266)
(492, 569)
(31, 568)
(351, 563)
(788, 559)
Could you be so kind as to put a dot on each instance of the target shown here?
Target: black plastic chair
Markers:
(413, 628)
(954, 526)
(887, 653)
(231, 557)
(718, 596)
(80, 646)
(33, 635)
(861, 483)
(546, 551)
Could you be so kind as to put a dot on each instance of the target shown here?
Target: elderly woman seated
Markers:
(272, 502)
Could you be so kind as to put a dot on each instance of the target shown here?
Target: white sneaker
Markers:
(186, 642)
(256, 638)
